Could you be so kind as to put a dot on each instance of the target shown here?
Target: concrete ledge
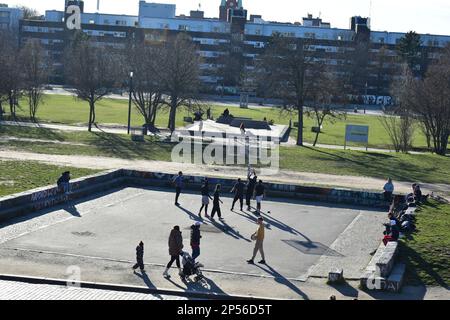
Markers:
(395, 280)
(385, 262)
(42, 198)
(127, 288)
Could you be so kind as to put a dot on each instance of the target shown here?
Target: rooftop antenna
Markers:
(98, 5)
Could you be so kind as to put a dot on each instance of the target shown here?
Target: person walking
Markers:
(260, 191)
(139, 257)
(251, 183)
(238, 190)
(205, 198)
(178, 182)
(258, 236)
(195, 239)
(216, 204)
(175, 249)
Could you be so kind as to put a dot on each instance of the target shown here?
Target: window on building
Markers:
(183, 27)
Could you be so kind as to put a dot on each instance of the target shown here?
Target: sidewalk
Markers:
(120, 129)
(283, 176)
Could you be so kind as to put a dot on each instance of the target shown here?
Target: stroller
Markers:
(191, 268)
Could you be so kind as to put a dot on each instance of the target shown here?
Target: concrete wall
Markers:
(47, 197)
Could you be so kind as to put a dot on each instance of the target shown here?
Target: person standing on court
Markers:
(195, 239)
(251, 183)
(139, 257)
(175, 249)
(258, 236)
(238, 190)
(216, 203)
(260, 191)
(178, 182)
(205, 198)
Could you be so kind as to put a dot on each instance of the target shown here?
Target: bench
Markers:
(188, 119)
(385, 262)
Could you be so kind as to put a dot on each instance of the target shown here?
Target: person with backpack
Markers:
(175, 249)
(251, 183)
(178, 182)
(238, 190)
(139, 257)
(195, 239)
(216, 204)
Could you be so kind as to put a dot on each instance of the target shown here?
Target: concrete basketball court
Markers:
(109, 226)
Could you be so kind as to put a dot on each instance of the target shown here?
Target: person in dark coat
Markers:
(216, 203)
(238, 190)
(178, 182)
(251, 183)
(175, 249)
(139, 257)
(195, 239)
(64, 182)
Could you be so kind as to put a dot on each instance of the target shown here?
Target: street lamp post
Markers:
(129, 102)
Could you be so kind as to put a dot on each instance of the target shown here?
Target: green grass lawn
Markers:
(427, 252)
(18, 176)
(69, 110)
(406, 167)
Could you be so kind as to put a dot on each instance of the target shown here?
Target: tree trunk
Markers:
(173, 112)
(90, 116)
(12, 106)
(300, 124)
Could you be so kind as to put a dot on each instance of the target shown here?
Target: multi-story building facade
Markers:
(236, 39)
(10, 17)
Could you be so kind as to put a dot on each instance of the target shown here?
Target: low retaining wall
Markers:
(42, 198)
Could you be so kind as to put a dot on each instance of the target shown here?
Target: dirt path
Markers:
(283, 176)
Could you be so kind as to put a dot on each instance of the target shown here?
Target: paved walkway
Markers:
(283, 176)
(12, 290)
(119, 129)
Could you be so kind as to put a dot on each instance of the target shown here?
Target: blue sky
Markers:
(432, 16)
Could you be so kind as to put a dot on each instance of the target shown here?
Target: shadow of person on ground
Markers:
(191, 215)
(228, 230)
(72, 209)
(148, 283)
(282, 280)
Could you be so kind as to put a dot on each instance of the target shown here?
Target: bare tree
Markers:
(428, 100)
(147, 95)
(179, 74)
(398, 120)
(35, 70)
(284, 71)
(10, 75)
(93, 72)
(323, 94)
(29, 13)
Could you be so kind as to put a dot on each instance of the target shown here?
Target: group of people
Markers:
(241, 190)
(400, 220)
(253, 187)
